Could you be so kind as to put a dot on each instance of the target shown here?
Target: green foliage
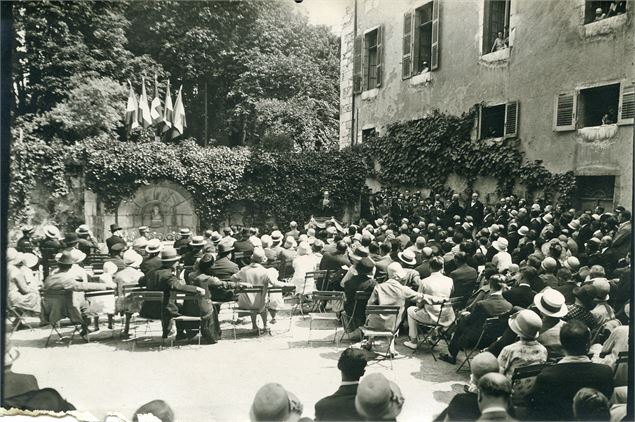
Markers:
(425, 152)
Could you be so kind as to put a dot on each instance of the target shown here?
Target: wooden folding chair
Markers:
(389, 334)
(59, 303)
(361, 297)
(237, 311)
(436, 328)
(521, 388)
(143, 296)
(325, 320)
(492, 328)
(182, 297)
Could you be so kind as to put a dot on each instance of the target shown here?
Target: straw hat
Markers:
(523, 231)
(304, 248)
(551, 302)
(360, 252)
(197, 241)
(30, 260)
(572, 264)
(500, 244)
(66, 257)
(169, 254)
(82, 229)
(276, 236)
(271, 403)
(154, 245)
(132, 258)
(52, 232)
(140, 243)
(407, 257)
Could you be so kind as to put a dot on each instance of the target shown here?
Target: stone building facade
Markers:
(563, 85)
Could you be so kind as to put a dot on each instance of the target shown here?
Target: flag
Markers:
(144, 110)
(131, 110)
(155, 108)
(168, 112)
(179, 122)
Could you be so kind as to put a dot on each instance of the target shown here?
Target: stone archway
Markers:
(164, 207)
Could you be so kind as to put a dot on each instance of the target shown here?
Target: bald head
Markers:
(483, 363)
(495, 385)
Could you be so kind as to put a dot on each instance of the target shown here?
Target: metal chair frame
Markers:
(315, 275)
(237, 311)
(186, 296)
(490, 324)
(442, 331)
(360, 296)
(283, 290)
(18, 321)
(146, 296)
(56, 326)
(320, 298)
(523, 372)
(391, 334)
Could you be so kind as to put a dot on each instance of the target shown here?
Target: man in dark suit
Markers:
(469, 327)
(115, 237)
(340, 406)
(464, 276)
(494, 392)
(16, 384)
(454, 208)
(181, 244)
(151, 261)
(464, 406)
(522, 295)
(552, 395)
(224, 267)
(50, 246)
(475, 209)
(333, 262)
(164, 280)
(244, 246)
(25, 243)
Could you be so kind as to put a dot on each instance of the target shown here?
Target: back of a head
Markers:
(436, 263)
(385, 248)
(496, 282)
(460, 258)
(482, 364)
(352, 364)
(157, 408)
(575, 337)
(590, 404)
(341, 246)
(373, 248)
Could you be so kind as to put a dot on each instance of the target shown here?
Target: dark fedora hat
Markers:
(70, 239)
(365, 266)
(114, 227)
(66, 257)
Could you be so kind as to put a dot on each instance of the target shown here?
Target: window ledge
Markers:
(497, 57)
(370, 94)
(597, 133)
(420, 79)
(493, 140)
(605, 26)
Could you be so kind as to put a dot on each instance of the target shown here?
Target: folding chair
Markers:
(123, 294)
(257, 300)
(57, 305)
(242, 258)
(17, 319)
(321, 279)
(142, 297)
(389, 334)
(361, 297)
(99, 294)
(315, 277)
(523, 380)
(325, 320)
(442, 331)
(183, 297)
(492, 328)
(284, 291)
(97, 260)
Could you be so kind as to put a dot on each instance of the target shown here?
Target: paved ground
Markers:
(218, 382)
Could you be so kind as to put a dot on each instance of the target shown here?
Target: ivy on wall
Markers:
(425, 152)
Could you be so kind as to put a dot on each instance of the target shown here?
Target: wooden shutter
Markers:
(406, 53)
(434, 54)
(357, 64)
(380, 57)
(565, 109)
(511, 119)
(626, 109)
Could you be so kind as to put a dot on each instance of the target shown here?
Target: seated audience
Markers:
(378, 399)
(273, 403)
(14, 383)
(527, 350)
(590, 404)
(494, 393)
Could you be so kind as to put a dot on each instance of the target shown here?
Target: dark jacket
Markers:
(340, 406)
(464, 278)
(333, 263)
(462, 407)
(521, 296)
(355, 284)
(150, 263)
(16, 384)
(182, 244)
(224, 268)
(25, 245)
(165, 281)
(475, 211)
(88, 246)
(552, 394)
(112, 240)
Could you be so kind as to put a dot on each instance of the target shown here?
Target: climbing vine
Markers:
(427, 151)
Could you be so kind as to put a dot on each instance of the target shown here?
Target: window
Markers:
(371, 62)
(367, 134)
(498, 121)
(597, 10)
(595, 191)
(496, 25)
(367, 61)
(595, 106)
(421, 40)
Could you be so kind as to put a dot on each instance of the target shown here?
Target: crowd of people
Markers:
(557, 279)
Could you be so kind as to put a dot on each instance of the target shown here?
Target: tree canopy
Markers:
(262, 71)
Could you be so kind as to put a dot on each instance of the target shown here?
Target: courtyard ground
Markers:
(218, 382)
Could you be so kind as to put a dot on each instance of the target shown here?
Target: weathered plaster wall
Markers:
(551, 53)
